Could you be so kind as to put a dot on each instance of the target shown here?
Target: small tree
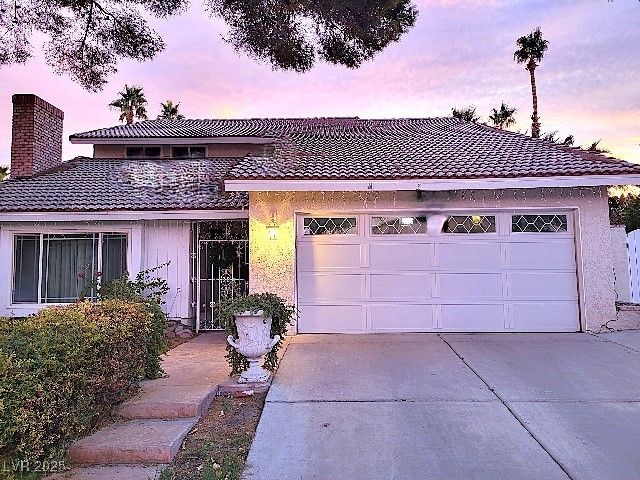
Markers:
(594, 147)
(466, 113)
(504, 117)
(553, 137)
(4, 173)
(169, 111)
(132, 103)
(632, 214)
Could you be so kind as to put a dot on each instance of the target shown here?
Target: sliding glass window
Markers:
(57, 268)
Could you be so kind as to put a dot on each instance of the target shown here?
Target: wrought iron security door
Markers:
(222, 265)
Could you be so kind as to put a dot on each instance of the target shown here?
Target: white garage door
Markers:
(494, 272)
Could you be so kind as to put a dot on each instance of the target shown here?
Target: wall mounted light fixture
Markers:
(272, 228)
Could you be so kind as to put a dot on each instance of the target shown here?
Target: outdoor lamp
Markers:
(272, 228)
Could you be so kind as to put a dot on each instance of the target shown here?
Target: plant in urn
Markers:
(254, 341)
(251, 320)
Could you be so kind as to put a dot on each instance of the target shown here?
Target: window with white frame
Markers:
(58, 267)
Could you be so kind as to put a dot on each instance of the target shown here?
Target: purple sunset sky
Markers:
(460, 52)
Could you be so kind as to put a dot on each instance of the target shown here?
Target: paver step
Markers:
(111, 472)
(133, 441)
(169, 402)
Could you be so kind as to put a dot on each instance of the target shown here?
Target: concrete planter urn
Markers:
(254, 340)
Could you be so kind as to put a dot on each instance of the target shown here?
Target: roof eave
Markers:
(122, 215)
(363, 185)
(167, 140)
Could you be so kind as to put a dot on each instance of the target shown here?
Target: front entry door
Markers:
(222, 265)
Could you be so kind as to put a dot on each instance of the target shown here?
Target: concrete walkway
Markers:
(155, 422)
(424, 406)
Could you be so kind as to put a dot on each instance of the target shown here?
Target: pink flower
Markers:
(81, 275)
(98, 274)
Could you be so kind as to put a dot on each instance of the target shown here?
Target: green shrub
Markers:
(64, 368)
(282, 316)
(625, 210)
(146, 288)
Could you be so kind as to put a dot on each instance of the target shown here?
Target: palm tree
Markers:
(503, 118)
(465, 113)
(4, 173)
(530, 51)
(169, 111)
(131, 103)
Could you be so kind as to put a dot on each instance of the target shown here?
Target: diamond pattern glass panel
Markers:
(538, 223)
(330, 225)
(398, 225)
(470, 224)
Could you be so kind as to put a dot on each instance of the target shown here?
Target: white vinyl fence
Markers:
(633, 245)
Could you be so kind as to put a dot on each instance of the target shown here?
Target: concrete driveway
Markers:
(449, 406)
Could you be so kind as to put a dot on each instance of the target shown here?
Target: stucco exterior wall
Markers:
(109, 151)
(273, 261)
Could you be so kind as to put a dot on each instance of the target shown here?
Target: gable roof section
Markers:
(213, 128)
(95, 184)
(437, 148)
(351, 148)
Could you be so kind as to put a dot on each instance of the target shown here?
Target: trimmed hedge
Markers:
(64, 368)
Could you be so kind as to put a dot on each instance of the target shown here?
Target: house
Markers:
(399, 225)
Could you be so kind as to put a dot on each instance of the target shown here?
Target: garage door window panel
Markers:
(539, 223)
(470, 224)
(330, 226)
(398, 225)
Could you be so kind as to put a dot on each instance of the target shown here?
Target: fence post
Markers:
(621, 268)
(633, 246)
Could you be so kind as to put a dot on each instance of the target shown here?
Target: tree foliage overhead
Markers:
(87, 38)
(292, 34)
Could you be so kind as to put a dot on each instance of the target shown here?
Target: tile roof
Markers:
(212, 128)
(97, 184)
(354, 148)
(438, 148)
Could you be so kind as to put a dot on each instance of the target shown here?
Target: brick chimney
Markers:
(36, 140)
